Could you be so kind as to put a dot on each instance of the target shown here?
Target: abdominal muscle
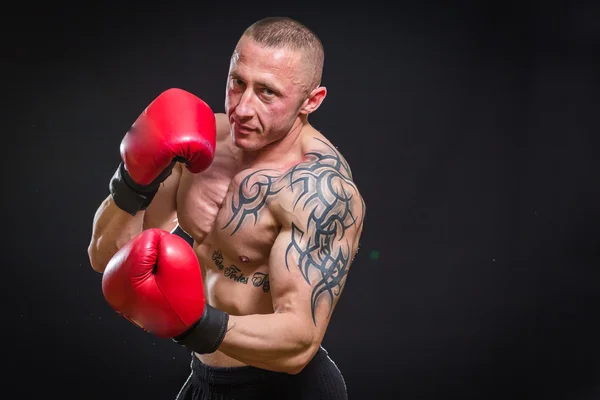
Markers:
(233, 287)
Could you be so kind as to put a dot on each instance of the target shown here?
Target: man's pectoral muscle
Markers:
(321, 213)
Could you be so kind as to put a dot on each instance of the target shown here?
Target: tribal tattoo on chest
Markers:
(325, 193)
(252, 196)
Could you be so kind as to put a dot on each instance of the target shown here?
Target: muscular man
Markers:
(273, 217)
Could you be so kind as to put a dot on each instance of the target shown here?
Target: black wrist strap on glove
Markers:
(130, 196)
(208, 333)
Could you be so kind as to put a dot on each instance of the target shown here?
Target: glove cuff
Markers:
(128, 195)
(207, 334)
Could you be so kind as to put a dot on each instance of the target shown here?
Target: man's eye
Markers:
(268, 92)
(238, 82)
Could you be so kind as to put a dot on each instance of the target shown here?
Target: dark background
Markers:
(472, 131)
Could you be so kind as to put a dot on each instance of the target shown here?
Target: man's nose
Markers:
(245, 107)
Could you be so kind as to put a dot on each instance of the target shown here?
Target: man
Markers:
(272, 213)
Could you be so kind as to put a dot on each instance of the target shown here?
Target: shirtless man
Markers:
(269, 208)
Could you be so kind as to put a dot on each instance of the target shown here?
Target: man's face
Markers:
(265, 90)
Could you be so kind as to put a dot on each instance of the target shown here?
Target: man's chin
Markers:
(245, 144)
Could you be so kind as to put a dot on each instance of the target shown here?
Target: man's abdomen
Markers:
(235, 288)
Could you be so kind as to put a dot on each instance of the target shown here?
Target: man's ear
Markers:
(314, 100)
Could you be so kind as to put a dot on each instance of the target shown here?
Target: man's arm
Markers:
(322, 214)
(175, 126)
(112, 227)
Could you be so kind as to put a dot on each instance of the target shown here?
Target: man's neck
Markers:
(287, 148)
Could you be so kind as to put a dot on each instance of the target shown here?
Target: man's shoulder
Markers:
(321, 154)
(323, 179)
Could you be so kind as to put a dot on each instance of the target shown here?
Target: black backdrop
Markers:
(472, 131)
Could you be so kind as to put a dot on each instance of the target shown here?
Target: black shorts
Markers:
(319, 380)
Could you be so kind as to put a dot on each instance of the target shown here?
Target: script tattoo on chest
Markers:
(259, 279)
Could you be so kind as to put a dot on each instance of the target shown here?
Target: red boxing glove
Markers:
(176, 126)
(155, 282)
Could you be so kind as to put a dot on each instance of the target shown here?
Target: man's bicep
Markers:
(289, 290)
(315, 248)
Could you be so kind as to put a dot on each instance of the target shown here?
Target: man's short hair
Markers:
(278, 32)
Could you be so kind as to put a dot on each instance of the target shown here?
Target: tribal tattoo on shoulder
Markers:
(323, 186)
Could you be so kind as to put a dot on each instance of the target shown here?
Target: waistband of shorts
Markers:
(239, 375)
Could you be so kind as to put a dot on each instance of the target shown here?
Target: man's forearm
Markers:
(112, 228)
(277, 342)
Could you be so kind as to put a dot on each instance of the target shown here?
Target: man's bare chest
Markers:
(245, 227)
(235, 252)
(231, 212)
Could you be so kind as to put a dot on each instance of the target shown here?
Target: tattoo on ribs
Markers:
(259, 279)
